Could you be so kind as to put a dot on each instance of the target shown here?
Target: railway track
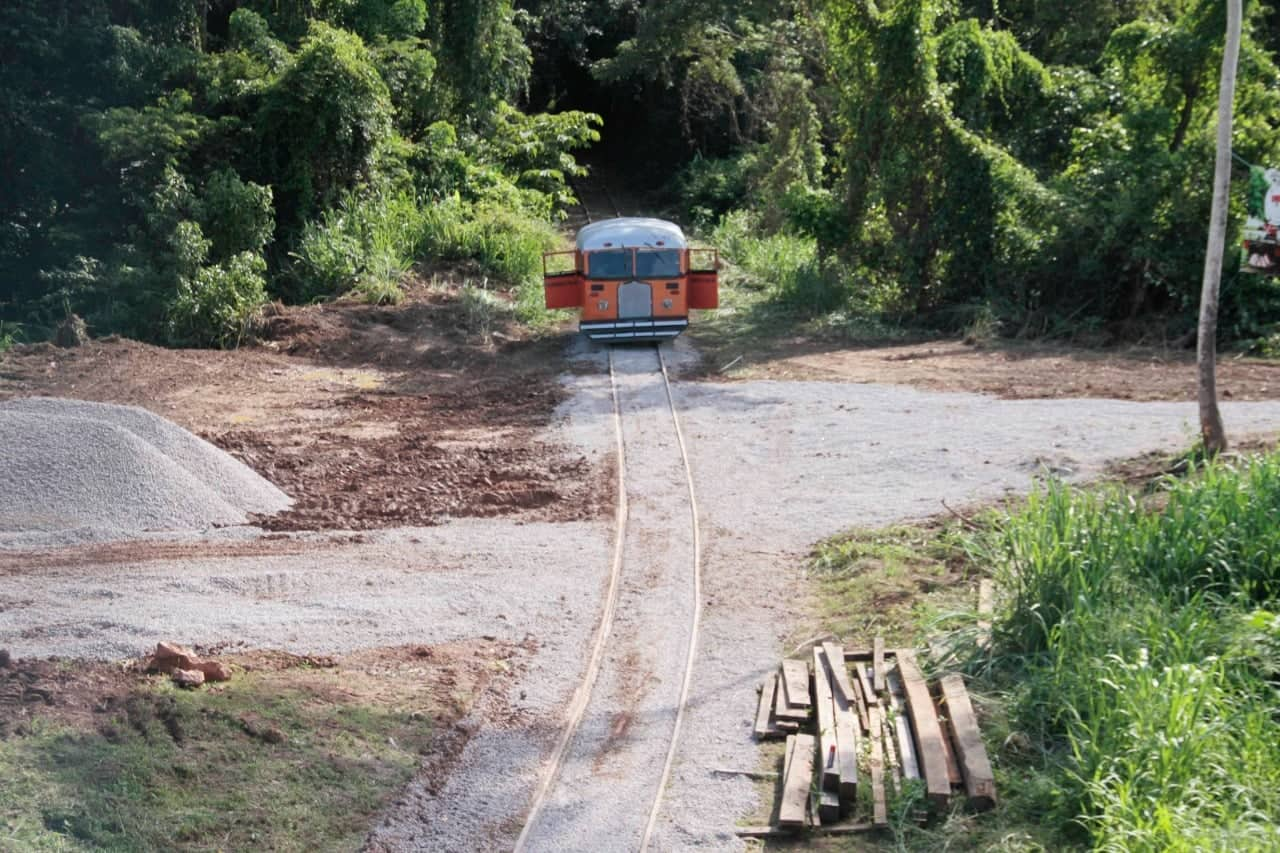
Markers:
(602, 787)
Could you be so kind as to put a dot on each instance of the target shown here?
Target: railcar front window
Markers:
(610, 264)
(664, 263)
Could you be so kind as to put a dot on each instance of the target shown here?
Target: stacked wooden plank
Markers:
(858, 725)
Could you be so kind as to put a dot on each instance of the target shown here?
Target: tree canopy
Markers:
(1044, 164)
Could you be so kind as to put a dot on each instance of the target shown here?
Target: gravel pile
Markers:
(92, 471)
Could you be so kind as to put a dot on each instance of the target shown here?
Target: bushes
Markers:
(323, 121)
(504, 243)
(784, 264)
(370, 243)
(218, 305)
(1134, 645)
(365, 242)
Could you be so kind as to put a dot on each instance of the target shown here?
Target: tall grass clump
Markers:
(505, 244)
(784, 265)
(10, 334)
(1130, 640)
(365, 243)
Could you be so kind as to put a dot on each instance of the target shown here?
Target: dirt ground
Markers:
(376, 417)
(92, 695)
(1009, 370)
(360, 724)
(367, 416)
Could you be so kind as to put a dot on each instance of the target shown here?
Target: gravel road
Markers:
(622, 743)
(777, 466)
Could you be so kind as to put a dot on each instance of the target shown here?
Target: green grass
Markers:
(367, 245)
(774, 287)
(181, 770)
(10, 334)
(1120, 644)
(1130, 698)
(898, 583)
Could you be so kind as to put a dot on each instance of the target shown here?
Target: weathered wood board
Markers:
(795, 680)
(846, 730)
(948, 739)
(795, 789)
(879, 809)
(766, 724)
(892, 765)
(828, 809)
(843, 828)
(930, 751)
(825, 714)
(839, 671)
(877, 665)
(902, 728)
(782, 711)
(868, 691)
(979, 781)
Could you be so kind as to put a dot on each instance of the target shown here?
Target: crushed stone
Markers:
(75, 471)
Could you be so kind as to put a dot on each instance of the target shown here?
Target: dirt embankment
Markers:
(367, 416)
(1013, 371)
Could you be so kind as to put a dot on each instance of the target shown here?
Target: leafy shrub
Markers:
(367, 242)
(329, 258)
(218, 305)
(323, 120)
(237, 216)
(504, 243)
(710, 187)
(787, 265)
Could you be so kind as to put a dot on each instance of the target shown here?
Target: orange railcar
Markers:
(633, 279)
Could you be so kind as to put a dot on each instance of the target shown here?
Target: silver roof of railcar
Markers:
(630, 232)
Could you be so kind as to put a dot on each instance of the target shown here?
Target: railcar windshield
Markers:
(660, 263)
(614, 263)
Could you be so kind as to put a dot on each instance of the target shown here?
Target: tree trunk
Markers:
(1211, 430)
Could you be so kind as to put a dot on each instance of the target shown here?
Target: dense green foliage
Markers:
(1042, 167)
(168, 167)
(1045, 164)
(1141, 649)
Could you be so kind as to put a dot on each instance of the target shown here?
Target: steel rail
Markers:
(697, 610)
(582, 695)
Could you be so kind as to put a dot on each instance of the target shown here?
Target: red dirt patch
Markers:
(368, 417)
(87, 695)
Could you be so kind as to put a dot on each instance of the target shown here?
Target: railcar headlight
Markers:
(603, 304)
(667, 303)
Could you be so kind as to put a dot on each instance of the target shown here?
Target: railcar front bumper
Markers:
(649, 329)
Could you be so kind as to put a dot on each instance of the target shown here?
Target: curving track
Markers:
(602, 787)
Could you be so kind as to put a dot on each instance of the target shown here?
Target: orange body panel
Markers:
(608, 294)
(679, 298)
